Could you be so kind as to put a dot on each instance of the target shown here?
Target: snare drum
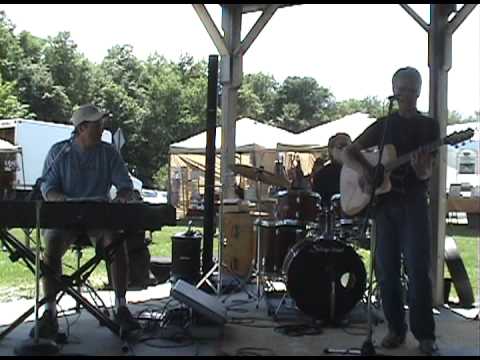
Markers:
(348, 228)
(276, 239)
(301, 205)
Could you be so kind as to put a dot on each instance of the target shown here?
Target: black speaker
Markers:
(186, 256)
(207, 305)
(209, 202)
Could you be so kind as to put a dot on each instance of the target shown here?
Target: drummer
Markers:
(326, 181)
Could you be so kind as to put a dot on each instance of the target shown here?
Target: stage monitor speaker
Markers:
(205, 304)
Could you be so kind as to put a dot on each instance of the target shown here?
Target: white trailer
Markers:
(35, 139)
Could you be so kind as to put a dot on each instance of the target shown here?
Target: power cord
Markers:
(296, 330)
(254, 351)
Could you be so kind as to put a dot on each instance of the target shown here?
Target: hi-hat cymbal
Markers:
(258, 174)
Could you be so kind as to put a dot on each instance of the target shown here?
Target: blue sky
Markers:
(351, 49)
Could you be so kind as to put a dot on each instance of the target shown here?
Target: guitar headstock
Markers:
(459, 136)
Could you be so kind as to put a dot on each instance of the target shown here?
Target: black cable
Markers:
(254, 351)
(299, 329)
(177, 340)
(251, 322)
(239, 302)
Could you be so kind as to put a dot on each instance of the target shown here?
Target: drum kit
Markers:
(310, 248)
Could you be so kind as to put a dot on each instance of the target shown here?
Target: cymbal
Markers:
(258, 174)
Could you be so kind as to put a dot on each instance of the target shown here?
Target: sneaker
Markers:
(47, 326)
(393, 340)
(124, 318)
(428, 346)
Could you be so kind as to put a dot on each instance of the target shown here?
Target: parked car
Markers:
(154, 196)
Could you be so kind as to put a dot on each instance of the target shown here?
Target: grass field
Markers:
(17, 281)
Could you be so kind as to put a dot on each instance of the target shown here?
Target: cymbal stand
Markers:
(280, 304)
(258, 237)
(217, 265)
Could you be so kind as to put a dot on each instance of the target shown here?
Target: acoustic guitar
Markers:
(353, 199)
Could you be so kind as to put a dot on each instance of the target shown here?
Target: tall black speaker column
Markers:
(209, 205)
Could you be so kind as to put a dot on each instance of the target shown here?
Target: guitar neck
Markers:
(406, 157)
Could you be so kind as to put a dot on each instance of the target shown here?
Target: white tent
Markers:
(317, 137)
(249, 135)
(256, 145)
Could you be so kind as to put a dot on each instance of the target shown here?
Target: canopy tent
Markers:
(317, 137)
(255, 145)
(249, 135)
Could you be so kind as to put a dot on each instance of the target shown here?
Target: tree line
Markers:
(155, 101)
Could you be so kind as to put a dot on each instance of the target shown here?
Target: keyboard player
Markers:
(79, 168)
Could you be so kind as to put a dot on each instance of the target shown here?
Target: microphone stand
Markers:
(368, 349)
(38, 346)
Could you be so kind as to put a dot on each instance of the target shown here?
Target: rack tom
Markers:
(300, 205)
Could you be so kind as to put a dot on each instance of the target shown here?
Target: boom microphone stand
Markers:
(368, 348)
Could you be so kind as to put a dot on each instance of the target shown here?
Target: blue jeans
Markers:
(403, 226)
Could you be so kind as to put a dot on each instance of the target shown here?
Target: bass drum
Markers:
(325, 278)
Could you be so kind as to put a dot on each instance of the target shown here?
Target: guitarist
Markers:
(402, 216)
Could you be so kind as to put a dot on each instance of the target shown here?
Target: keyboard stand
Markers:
(68, 284)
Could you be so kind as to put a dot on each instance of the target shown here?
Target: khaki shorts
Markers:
(58, 241)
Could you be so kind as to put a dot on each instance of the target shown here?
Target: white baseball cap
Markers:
(88, 113)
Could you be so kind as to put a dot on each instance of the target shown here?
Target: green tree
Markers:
(290, 118)
(161, 177)
(316, 104)
(117, 87)
(32, 47)
(369, 105)
(69, 68)
(473, 118)
(123, 68)
(47, 100)
(454, 117)
(249, 104)
(256, 97)
(163, 123)
(10, 106)
(11, 53)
